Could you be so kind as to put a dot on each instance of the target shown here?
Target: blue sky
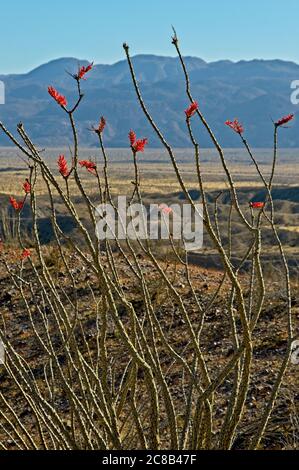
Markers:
(33, 32)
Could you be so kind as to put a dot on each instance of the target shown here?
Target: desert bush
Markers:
(119, 336)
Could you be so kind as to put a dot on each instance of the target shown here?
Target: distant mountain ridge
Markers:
(255, 91)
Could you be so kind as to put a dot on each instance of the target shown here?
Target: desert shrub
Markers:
(119, 350)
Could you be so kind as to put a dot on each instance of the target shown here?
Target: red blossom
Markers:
(284, 120)
(236, 126)
(17, 205)
(191, 110)
(132, 137)
(62, 165)
(139, 145)
(83, 71)
(165, 209)
(257, 205)
(26, 253)
(90, 166)
(102, 125)
(60, 99)
(27, 187)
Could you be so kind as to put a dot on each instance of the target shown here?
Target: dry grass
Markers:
(157, 173)
(159, 184)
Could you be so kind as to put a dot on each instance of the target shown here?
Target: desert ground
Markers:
(158, 184)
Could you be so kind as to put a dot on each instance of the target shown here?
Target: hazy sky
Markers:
(33, 32)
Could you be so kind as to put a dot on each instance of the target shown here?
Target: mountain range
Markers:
(256, 92)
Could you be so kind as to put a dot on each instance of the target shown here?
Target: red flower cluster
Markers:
(191, 110)
(165, 209)
(137, 145)
(62, 165)
(26, 253)
(132, 137)
(90, 166)
(102, 125)
(60, 99)
(17, 205)
(27, 187)
(257, 205)
(284, 120)
(83, 71)
(236, 126)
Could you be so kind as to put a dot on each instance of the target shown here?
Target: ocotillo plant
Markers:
(119, 381)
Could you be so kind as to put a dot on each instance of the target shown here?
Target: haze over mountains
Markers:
(253, 91)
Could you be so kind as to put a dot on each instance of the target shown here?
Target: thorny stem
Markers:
(138, 406)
